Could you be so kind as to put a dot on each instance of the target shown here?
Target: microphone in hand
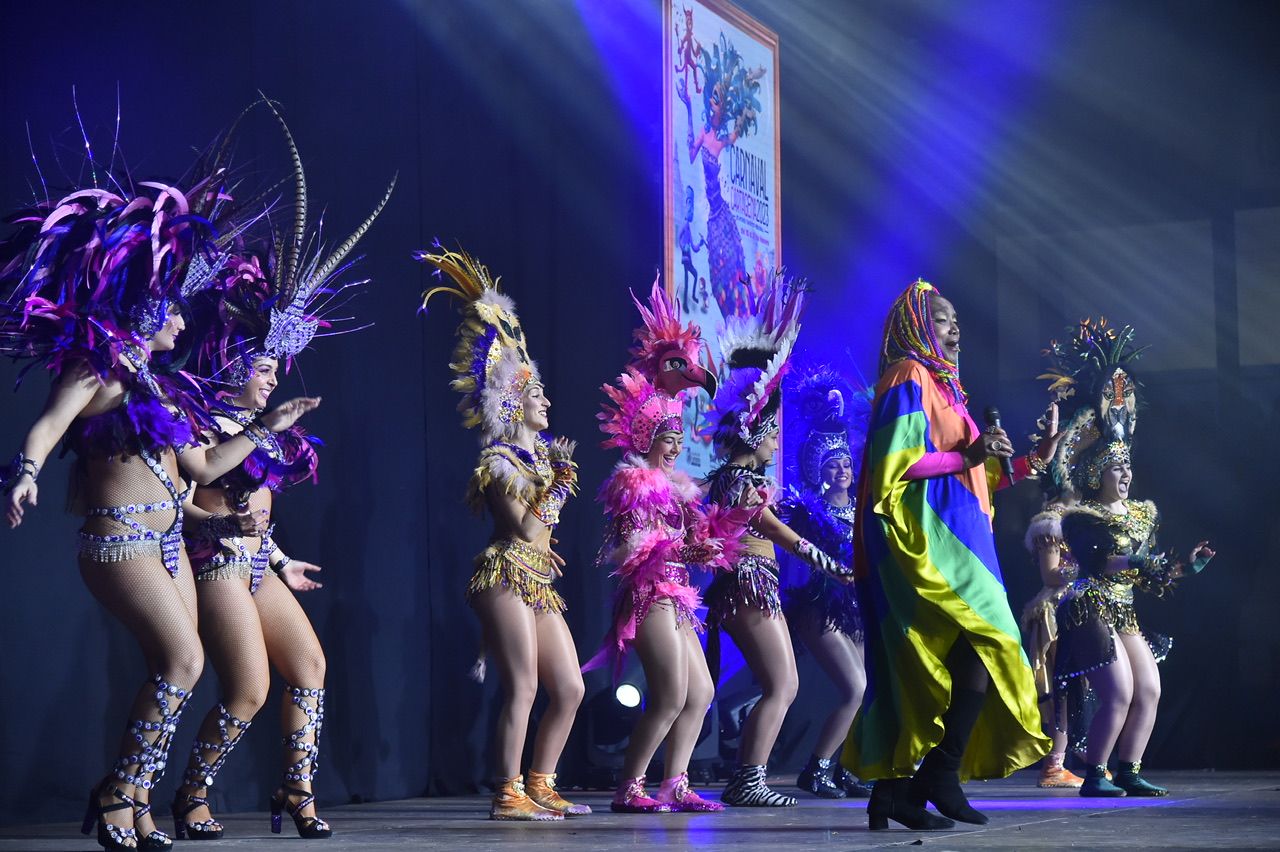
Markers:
(992, 416)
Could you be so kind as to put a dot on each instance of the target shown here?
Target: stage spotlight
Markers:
(628, 695)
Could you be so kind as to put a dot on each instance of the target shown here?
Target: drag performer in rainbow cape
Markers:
(827, 419)
(948, 686)
(743, 422)
(656, 532)
(92, 288)
(523, 478)
(1113, 540)
(268, 303)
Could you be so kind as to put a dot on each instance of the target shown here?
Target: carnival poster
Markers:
(722, 178)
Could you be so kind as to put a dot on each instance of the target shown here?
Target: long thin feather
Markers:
(349, 243)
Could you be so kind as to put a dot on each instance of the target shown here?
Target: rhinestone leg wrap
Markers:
(200, 772)
(304, 740)
(153, 737)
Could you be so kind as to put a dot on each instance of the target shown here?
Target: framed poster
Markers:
(722, 185)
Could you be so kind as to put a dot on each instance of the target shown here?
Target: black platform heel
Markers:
(156, 839)
(308, 827)
(304, 742)
(201, 772)
(890, 801)
(185, 803)
(938, 778)
(110, 837)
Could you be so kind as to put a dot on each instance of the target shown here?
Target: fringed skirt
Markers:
(753, 583)
(631, 607)
(832, 604)
(523, 569)
(1085, 620)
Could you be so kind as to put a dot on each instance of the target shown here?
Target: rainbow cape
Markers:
(927, 573)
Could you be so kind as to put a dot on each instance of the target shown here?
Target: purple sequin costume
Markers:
(833, 604)
(287, 458)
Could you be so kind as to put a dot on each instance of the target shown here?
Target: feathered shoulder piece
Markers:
(518, 473)
(755, 350)
(812, 518)
(635, 487)
(1046, 524)
(668, 352)
(491, 365)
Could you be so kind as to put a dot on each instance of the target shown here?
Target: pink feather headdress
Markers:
(637, 413)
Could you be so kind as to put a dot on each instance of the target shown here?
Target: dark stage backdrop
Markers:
(530, 133)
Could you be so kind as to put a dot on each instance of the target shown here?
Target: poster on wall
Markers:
(722, 181)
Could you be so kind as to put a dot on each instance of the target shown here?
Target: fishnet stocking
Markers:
(232, 635)
(159, 612)
(295, 651)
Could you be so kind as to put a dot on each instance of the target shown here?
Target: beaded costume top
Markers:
(528, 477)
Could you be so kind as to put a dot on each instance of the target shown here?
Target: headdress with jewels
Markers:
(637, 413)
(274, 297)
(755, 350)
(1090, 378)
(830, 415)
(491, 366)
(668, 352)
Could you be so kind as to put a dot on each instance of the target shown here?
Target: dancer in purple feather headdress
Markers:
(91, 288)
(745, 600)
(264, 309)
(829, 417)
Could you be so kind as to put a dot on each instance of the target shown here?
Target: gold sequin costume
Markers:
(1097, 603)
(492, 370)
(512, 563)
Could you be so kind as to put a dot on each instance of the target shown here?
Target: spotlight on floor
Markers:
(627, 694)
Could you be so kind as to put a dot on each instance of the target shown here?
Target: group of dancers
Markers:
(164, 316)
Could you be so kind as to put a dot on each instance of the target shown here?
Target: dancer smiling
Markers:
(523, 480)
(1113, 539)
(656, 532)
(265, 310)
(745, 601)
(829, 416)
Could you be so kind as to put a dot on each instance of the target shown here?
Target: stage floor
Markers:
(1237, 810)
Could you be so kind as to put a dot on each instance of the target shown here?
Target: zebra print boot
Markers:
(747, 789)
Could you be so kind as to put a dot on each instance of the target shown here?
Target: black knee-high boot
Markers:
(938, 778)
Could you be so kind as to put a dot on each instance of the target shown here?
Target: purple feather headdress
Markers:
(273, 296)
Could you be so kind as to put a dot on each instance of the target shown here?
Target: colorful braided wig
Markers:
(908, 333)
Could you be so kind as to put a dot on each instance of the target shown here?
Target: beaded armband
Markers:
(820, 561)
(264, 439)
(19, 467)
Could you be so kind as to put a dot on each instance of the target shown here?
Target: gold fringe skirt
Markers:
(522, 568)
